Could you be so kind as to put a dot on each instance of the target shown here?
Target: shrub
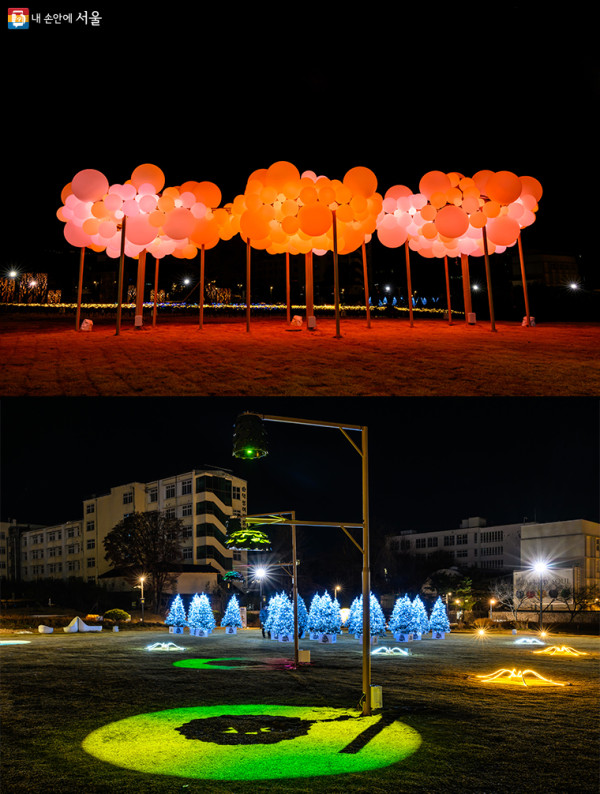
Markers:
(116, 615)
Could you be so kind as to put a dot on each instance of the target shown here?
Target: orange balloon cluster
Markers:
(448, 214)
(282, 210)
(162, 221)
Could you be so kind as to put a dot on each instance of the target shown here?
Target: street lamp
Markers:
(142, 578)
(249, 442)
(260, 574)
(541, 568)
(492, 602)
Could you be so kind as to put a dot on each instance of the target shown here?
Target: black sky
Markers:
(433, 461)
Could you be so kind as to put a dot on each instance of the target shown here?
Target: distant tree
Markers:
(146, 544)
(508, 599)
(577, 599)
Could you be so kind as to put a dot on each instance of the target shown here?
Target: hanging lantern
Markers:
(249, 437)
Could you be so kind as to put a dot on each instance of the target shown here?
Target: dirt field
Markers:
(49, 358)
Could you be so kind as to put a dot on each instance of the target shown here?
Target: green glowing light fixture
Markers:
(243, 538)
(249, 437)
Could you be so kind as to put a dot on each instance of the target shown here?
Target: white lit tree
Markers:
(302, 616)
(419, 623)
(200, 616)
(283, 622)
(328, 617)
(176, 619)
(313, 613)
(377, 619)
(439, 619)
(401, 616)
(232, 618)
(272, 609)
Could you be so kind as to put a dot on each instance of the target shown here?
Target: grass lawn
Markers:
(466, 736)
(47, 357)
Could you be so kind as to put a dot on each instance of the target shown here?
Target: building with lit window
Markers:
(508, 548)
(203, 499)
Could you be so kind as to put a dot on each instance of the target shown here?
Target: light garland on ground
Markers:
(529, 641)
(383, 651)
(562, 650)
(164, 646)
(521, 677)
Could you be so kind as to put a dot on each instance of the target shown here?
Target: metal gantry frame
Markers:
(364, 548)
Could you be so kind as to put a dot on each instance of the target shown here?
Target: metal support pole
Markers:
(120, 281)
(448, 290)
(248, 285)
(366, 579)
(336, 278)
(295, 589)
(201, 289)
(366, 280)
(488, 278)
(139, 292)
(155, 291)
(287, 288)
(409, 284)
(466, 283)
(524, 280)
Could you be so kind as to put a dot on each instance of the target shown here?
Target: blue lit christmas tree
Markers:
(419, 623)
(272, 609)
(355, 621)
(313, 613)
(401, 616)
(283, 623)
(176, 618)
(328, 619)
(438, 620)
(200, 616)
(302, 616)
(232, 618)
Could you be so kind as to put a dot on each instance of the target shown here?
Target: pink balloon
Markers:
(392, 236)
(75, 235)
(89, 185)
(179, 224)
(397, 191)
(503, 230)
(139, 230)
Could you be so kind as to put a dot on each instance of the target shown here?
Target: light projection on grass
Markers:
(383, 651)
(253, 742)
(214, 664)
(164, 646)
(15, 642)
(529, 641)
(561, 650)
(521, 678)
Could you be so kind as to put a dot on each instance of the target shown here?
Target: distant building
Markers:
(203, 499)
(507, 548)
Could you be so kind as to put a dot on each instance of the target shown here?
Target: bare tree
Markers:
(146, 544)
(577, 599)
(508, 600)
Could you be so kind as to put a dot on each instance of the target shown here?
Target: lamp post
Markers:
(541, 568)
(260, 574)
(142, 595)
(492, 602)
(250, 442)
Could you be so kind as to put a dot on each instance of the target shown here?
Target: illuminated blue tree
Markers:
(328, 618)
(355, 622)
(232, 617)
(419, 623)
(355, 616)
(272, 609)
(176, 617)
(439, 618)
(200, 615)
(313, 613)
(302, 616)
(283, 622)
(401, 615)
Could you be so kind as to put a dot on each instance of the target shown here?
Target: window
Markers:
(186, 532)
(170, 491)
(73, 532)
(186, 487)
(448, 540)
(90, 526)
(169, 512)
(37, 554)
(54, 551)
(462, 540)
(188, 554)
(91, 544)
(73, 565)
(405, 545)
(73, 548)
(128, 498)
(492, 551)
(460, 553)
(153, 495)
(420, 543)
(91, 562)
(492, 537)
(432, 542)
(236, 492)
(90, 508)
(186, 510)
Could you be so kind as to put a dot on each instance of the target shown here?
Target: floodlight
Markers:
(249, 437)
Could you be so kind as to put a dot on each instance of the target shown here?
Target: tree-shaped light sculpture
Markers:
(438, 620)
(200, 616)
(232, 618)
(176, 619)
(401, 617)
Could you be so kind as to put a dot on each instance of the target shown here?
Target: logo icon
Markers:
(18, 18)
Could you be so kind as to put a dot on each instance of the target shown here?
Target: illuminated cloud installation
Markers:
(526, 678)
(253, 742)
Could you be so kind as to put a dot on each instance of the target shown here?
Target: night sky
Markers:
(432, 461)
(213, 93)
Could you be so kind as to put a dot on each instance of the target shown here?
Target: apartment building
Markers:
(202, 498)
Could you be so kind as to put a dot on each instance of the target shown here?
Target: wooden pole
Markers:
(295, 589)
(409, 284)
(308, 277)
(120, 281)
(248, 286)
(524, 280)
(139, 291)
(155, 291)
(79, 288)
(466, 282)
(366, 578)
(201, 289)
(488, 278)
(287, 288)
(366, 280)
(448, 290)
(336, 278)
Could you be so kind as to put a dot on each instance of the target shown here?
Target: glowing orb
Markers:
(253, 742)
(563, 650)
(522, 678)
(383, 651)
(164, 646)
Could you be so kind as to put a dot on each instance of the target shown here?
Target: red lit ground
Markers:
(47, 357)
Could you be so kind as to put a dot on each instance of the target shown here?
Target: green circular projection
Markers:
(253, 742)
(212, 664)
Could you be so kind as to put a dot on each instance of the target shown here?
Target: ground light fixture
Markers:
(249, 442)
(519, 677)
